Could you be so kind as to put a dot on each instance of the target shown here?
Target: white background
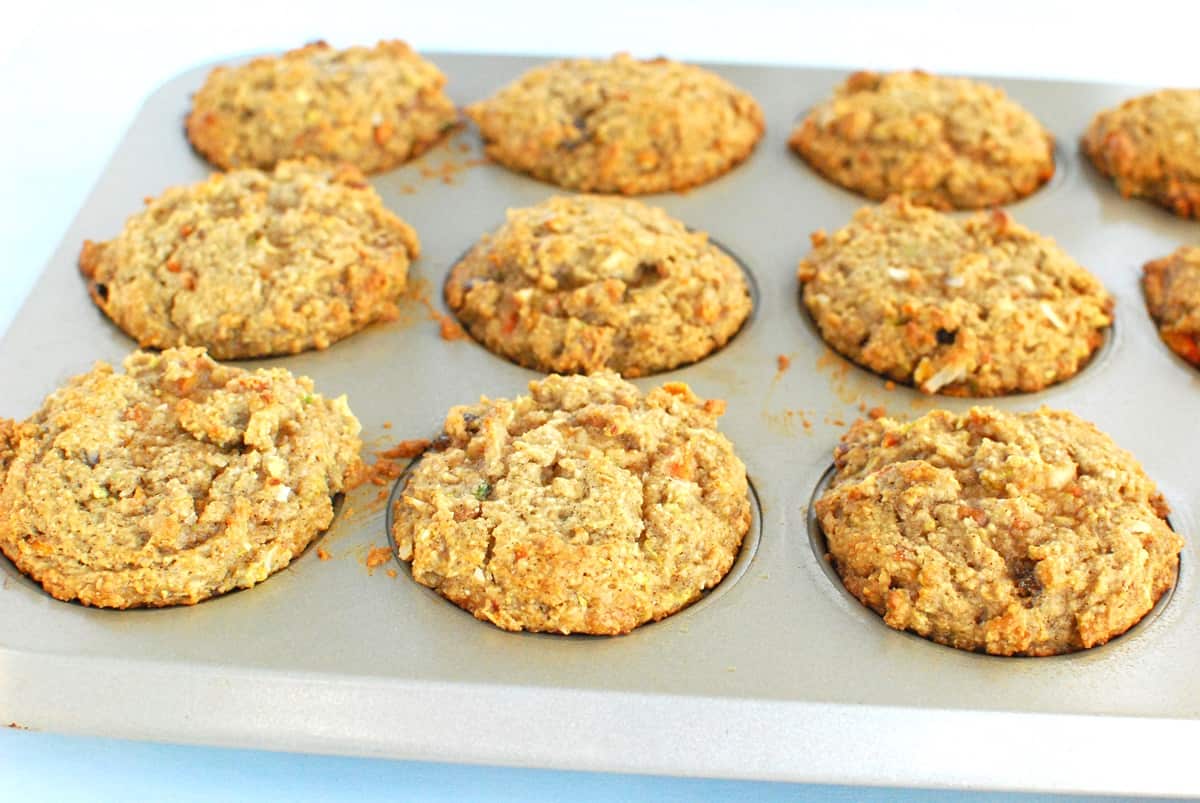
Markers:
(72, 76)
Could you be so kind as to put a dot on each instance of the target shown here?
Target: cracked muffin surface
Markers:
(1012, 534)
(374, 108)
(252, 264)
(1172, 287)
(949, 143)
(1150, 146)
(975, 307)
(581, 283)
(619, 125)
(172, 482)
(583, 507)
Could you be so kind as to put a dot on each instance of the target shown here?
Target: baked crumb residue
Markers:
(448, 170)
(418, 291)
(388, 464)
(848, 388)
(448, 328)
(376, 557)
(406, 450)
(786, 421)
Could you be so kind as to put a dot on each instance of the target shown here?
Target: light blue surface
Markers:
(39, 766)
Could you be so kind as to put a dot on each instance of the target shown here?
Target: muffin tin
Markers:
(777, 673)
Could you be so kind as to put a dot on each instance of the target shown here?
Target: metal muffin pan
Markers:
(777, 674)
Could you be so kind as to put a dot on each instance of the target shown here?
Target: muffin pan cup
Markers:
(778, 674)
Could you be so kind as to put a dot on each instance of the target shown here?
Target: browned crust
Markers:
(584, 507)
(1134, 144)
(1172, 289)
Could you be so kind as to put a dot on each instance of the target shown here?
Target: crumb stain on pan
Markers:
(847, 385)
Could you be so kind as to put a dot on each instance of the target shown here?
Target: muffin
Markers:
(1006, 533)
(374, 108)
(583, 283)
(175, 481)
(583, 507)
(619, 126)
(974, 307)
(1150, 146)
(1172, 287)
(252, 264)
(948, 143)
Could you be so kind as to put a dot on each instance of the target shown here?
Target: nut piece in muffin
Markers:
(948, 143)
(1172, 286)
(584, 507)
(581, 283)
(1006, 533)
(619, 126)
(175, 481)
(251, 264)
(975, 307)
(374, 108)
(1150, 145)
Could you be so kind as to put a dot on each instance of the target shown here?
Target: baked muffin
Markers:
(374, 108)
(1150, 145)
(619, 125)
(948, 143)
(250, 264)
(1172, 287)
(584, 507)
(974, 307)
(581, 283)
(175, 481)
(1007, 533)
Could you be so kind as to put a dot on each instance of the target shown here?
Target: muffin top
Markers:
(948, 143)
(581, 283)
(619, 125)
(250, 264)
(1007, 533)
(374, 108)
(583, 507)
(172, 482)
(974, 307)
(1151, 146)
(1172, 287)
